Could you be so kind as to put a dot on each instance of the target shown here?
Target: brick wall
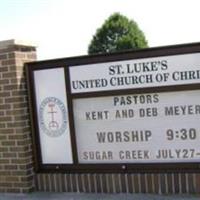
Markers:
(16, 169)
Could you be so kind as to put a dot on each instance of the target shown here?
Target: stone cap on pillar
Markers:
(18, 45)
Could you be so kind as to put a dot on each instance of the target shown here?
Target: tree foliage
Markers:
(118, 33)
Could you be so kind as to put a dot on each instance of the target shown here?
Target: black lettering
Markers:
(116, 100)
(101, 137)
(111, 70)
(128, 69)
(155, 98)
(164, 64)
(126, 136)
(87, 115)
(110, 137)
(118, 136)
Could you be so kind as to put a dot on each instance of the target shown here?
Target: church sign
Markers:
(128, 111)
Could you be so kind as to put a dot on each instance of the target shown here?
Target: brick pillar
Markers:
(16, 165)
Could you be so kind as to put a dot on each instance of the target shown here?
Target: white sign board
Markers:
(136, 73)
(138, 128)
(108, 111)
(52, 113)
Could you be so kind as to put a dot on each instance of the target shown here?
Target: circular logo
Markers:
(53, 117)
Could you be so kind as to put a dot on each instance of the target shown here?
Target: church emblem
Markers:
(53, 117)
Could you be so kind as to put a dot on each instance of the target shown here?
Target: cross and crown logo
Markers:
(52, 117)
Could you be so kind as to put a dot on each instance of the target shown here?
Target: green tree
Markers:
(118, 33)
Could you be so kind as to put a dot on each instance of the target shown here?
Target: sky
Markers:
(64, 28)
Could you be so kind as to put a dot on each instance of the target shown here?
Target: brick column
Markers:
(16, 165)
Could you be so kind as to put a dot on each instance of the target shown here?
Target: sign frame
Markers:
(66, 63)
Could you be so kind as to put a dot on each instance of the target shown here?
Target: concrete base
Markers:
(85, 196)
